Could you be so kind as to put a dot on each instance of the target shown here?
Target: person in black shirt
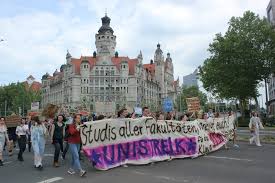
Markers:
(57, 137)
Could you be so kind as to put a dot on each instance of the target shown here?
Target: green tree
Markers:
(15, 96)
(188, 92)
(240, 59)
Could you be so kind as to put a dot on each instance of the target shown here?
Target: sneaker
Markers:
(125, 166)
(236, 146)
(82, 173)
(40, 167)
(250, 141)
(55, 164)
(71, 171)
(1, 163)
(259, 145)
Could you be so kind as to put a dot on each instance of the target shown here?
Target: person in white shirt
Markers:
(21, 132)
(254, 125)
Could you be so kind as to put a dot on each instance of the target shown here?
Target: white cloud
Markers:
(37, 41)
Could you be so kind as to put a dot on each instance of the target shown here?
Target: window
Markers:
(112, 72)
(102, 73)
(96, 73)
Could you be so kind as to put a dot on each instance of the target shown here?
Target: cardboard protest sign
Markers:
(193, 104)
(113, 142)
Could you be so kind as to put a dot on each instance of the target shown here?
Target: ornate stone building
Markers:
(107, 78)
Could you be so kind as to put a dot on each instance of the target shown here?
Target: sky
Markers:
(38, 33)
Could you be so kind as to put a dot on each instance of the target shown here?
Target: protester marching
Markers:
(127, 138)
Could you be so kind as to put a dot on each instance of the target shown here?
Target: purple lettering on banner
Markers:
(105, 157)
(217, 139)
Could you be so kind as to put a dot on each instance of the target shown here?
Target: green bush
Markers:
(269, 121)
(243, 122)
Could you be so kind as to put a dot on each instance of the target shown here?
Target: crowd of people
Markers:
(64, 134)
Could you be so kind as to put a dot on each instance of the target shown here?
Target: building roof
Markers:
(35, 86)
(150, 67)
(30, 77)
(116, 61)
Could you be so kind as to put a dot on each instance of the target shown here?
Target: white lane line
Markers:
(228, 158)
(139, 172)
(51, 180)
(8, 162)
(50, 155)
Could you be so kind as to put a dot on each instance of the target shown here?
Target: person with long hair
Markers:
(21, 132)
(254, 125)
(57, 137)
(38, 138)
(3, 138)
(74, 141)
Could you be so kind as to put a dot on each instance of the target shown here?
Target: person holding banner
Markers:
(160, 116)
(254, 125)
(146, 112)
(3, 138)
(74, 141)
(184, 118)
(123, 113)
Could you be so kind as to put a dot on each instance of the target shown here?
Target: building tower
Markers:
(159, 64)
(105, 39)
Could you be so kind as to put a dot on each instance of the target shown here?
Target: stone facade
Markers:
(270, 10)
(107, 77)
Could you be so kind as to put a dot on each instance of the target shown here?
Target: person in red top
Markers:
(74, 141)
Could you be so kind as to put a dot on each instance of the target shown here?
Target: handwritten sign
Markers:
(193, 104)
(113, 142)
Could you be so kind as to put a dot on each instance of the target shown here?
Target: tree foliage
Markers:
(15, 96)
(240, 59)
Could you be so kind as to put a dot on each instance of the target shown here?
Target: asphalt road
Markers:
(248, 164)
(246, 132)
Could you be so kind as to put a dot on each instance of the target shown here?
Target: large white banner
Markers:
(113, 142)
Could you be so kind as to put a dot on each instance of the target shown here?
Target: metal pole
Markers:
(266, 96)
(180, 100)
(5, 108)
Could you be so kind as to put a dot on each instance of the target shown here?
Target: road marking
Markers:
(228, 158)
(8, 162)
(139, 172)
(51, 155)
(51, 180)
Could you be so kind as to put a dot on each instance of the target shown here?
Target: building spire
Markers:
(105, 12)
